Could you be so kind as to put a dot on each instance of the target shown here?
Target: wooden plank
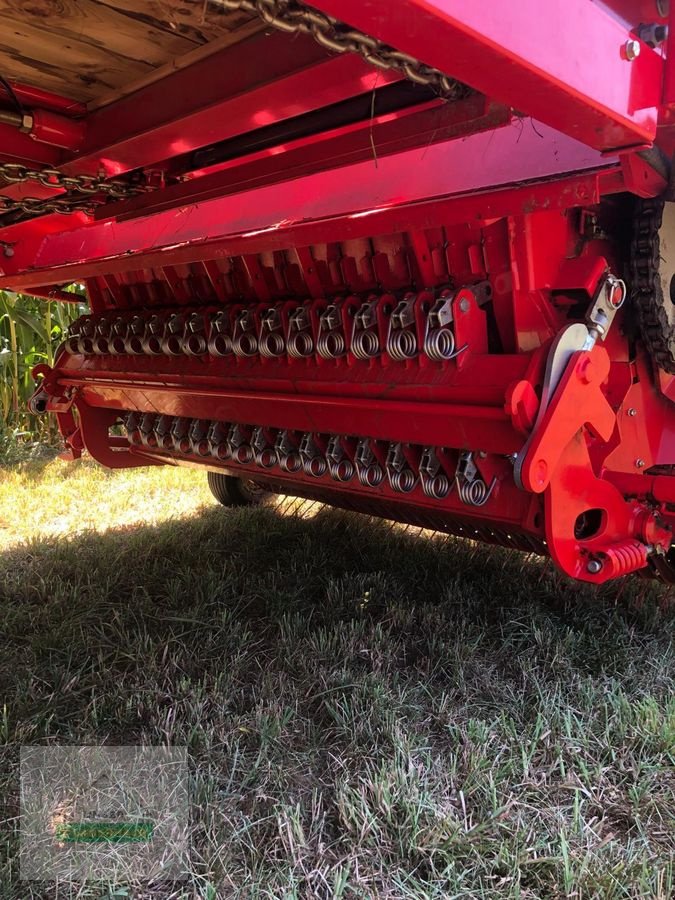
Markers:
(32, 54)
(180, 62)
(197, 20)
(88, 48)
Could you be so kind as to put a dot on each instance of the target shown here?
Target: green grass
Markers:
(368, 713)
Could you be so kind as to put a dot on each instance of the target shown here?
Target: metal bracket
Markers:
(574, 338)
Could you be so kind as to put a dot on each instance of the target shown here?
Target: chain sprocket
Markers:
(652, 266)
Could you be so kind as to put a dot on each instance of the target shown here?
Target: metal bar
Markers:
(262, 80)
(362, 199)
(21, 148)
(35, 96)
(424, 423)
(370, 139)
(562, 61)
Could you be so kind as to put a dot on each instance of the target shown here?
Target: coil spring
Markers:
(272, 344)
(220, 344)
(147, 428)
(179, 433)
(245, 344)
(403, 481)
(290, 462)
(221, 450)
(102, 334)
(342, 470)
(172, 342)
(371, 475)
(194, 344)
(474, 493)
(330, 344)
(315, 466)
(365, 345)
(194, 340)
(437, 487)
(402, 345)
(163, 432)
(152, 340)
(439, 344)
(265, 458)
(133, 343)
(300, 344)
(118, 332)
(101, 346)
(243, 454)
(197, 435)
(201, 448)
(627, 557)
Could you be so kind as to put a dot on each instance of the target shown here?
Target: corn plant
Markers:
(30, 332)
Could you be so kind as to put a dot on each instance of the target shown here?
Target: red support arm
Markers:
(562, 61)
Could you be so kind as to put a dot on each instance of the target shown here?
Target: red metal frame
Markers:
(358, 199)
(509, 224)
(562, 64)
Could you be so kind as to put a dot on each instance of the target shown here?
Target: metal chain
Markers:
(286, 15)
(14, 173)
(653, 309)
(293, 17)
(89, 185)
(43, 205)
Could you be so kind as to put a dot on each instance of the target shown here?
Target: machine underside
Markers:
(402, 298)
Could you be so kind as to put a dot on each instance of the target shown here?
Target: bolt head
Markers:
(464, 305)
(632, 412)
(594, 567)
(639, 463)
(631, 50)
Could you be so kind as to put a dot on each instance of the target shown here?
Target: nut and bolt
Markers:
(631, 50)
(594, 567)
(652, 34)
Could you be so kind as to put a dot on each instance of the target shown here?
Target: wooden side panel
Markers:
(87, 49)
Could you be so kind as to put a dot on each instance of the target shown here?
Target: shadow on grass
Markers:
(299, 658)
(99, 595)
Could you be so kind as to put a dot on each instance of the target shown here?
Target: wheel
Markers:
(232, 491)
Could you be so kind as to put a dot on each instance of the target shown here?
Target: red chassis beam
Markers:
(532, 65)
(357, 200)
(270, 79)
(562, 61)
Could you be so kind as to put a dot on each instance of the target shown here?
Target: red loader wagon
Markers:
(414, 258)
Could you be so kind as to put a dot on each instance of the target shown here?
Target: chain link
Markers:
(285, 15)
(294, 17)
(43, 205)
(14, 173)
(87, 185)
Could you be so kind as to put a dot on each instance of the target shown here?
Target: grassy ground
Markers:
(368, 714)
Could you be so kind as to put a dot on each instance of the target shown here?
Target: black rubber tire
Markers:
(232, 491)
